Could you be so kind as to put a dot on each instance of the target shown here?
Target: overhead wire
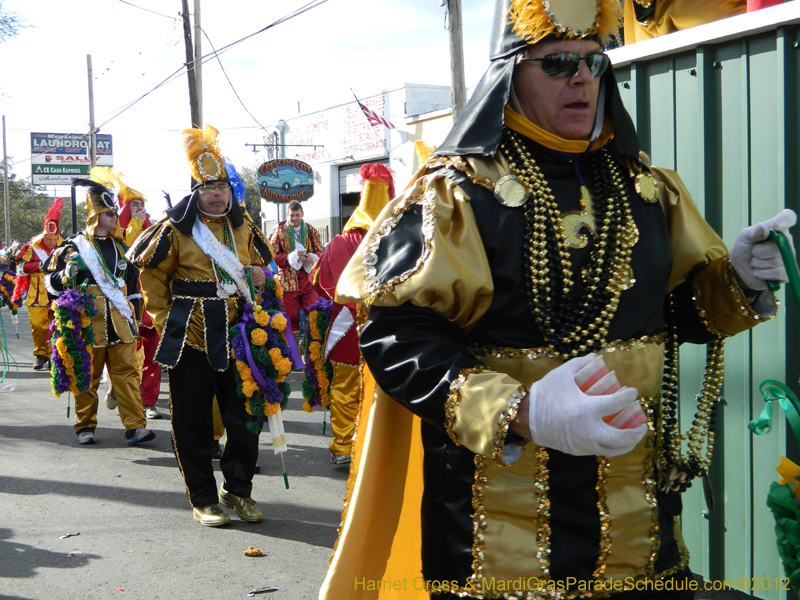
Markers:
(183, 68)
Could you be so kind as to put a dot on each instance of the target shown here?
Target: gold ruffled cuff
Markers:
(720, 301)
(480, 409)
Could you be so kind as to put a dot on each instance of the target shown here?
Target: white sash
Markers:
(41, 254)
(340, 326)
(220, 254)
(109, 286)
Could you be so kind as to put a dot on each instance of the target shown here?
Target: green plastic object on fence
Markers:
(790, 262)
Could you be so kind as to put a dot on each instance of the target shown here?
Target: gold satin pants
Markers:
(124, 376)
(345, 398)
(40, 318)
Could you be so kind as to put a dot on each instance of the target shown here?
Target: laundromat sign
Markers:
(285, 179)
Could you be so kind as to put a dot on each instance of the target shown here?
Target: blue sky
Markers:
(312, 61)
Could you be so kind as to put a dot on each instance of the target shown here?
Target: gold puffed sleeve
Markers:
(480, 408)
(132, 231)
(153, 254)
(720, 302)
(446, 268)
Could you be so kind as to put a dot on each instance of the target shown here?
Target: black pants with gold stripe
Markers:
(193, 383)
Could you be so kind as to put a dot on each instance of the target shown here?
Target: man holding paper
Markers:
(197, 265)
(297, 248)
(97, 256)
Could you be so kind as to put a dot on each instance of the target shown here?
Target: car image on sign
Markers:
(286, 180)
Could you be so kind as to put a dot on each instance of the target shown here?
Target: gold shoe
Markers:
(244, 507)
(210, 516)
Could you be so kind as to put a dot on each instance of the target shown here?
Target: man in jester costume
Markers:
(536, 238)
(297, 248)
(195, 264)
(341, 343)
(96, 256)
(30, 259)
(133, 219)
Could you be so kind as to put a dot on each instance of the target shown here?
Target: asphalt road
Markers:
(136, 536)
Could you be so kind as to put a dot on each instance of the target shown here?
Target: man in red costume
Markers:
(341, 345)
(133, 219)
(297, 248)
(30, 259)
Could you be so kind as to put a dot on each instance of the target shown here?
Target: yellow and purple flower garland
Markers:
(71, 340)
(7, 284)
(263, 356)
(319, 372)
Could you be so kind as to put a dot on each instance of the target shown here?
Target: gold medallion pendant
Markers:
(510, 192)
(647, 187)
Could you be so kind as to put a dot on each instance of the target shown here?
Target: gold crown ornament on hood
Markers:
(204, 155)
(533, 20)
(100, 195)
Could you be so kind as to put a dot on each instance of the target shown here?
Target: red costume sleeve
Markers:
(333, 261)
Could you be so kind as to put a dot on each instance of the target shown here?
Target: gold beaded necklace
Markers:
(611, 255)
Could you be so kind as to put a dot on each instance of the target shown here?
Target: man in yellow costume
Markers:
(646, 19)
(133, 219)
(96, 255)
(341, 344)
(195, 265)
(536, 238)
(30, 259)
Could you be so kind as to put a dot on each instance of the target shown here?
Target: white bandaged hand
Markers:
(294, 258)
(756, 258)
(562, 417)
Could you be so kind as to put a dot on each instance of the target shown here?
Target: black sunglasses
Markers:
(566, 64)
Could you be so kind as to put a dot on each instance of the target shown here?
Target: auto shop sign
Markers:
(285, 179)
(56, 158)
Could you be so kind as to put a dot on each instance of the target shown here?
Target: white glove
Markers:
(71, 270)
(756, 258)
(563, 417)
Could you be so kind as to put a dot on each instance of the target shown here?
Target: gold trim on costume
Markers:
(548, 352)
(605, 518)
(375, 289)
(454, 399)
(504, 421)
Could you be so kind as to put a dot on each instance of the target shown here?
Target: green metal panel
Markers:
(725, 116)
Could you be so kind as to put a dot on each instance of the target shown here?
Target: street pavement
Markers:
(126, 507)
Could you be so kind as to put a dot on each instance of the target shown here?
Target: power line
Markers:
(117, 112)
(147, 10)
(235, 93)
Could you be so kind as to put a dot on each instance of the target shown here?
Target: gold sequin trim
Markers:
(541, 488)
(375, 289)
(504, 421)
(459, 164)
(454, 399)
(605, 519)
(649, 481)
(549, 352)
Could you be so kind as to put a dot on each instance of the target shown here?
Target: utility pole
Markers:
(6, 187)
(92, 130)
(458, 89)
(190, 65)
(198, 62)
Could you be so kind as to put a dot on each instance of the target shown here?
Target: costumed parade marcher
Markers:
(341, 345)
(646, 19)
(96, 256)
(133, 219)
(30, 259)
(536, 239)
(297, 247)
(194, 268)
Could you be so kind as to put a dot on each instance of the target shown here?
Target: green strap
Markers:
(790, 262)
(775, 390)
(250, 284)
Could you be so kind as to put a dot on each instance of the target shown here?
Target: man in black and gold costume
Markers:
(536, 237)
(194, 265)
(97, 255)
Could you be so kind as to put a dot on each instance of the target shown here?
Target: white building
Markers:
(338, 140)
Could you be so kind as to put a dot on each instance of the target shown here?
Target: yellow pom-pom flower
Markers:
(70, 325)
(271, 409)
(313, 351)
(262, 318)
(279, 322)
(259, 337)
(307, 407)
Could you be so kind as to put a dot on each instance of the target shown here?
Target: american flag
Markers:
(374, 118)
